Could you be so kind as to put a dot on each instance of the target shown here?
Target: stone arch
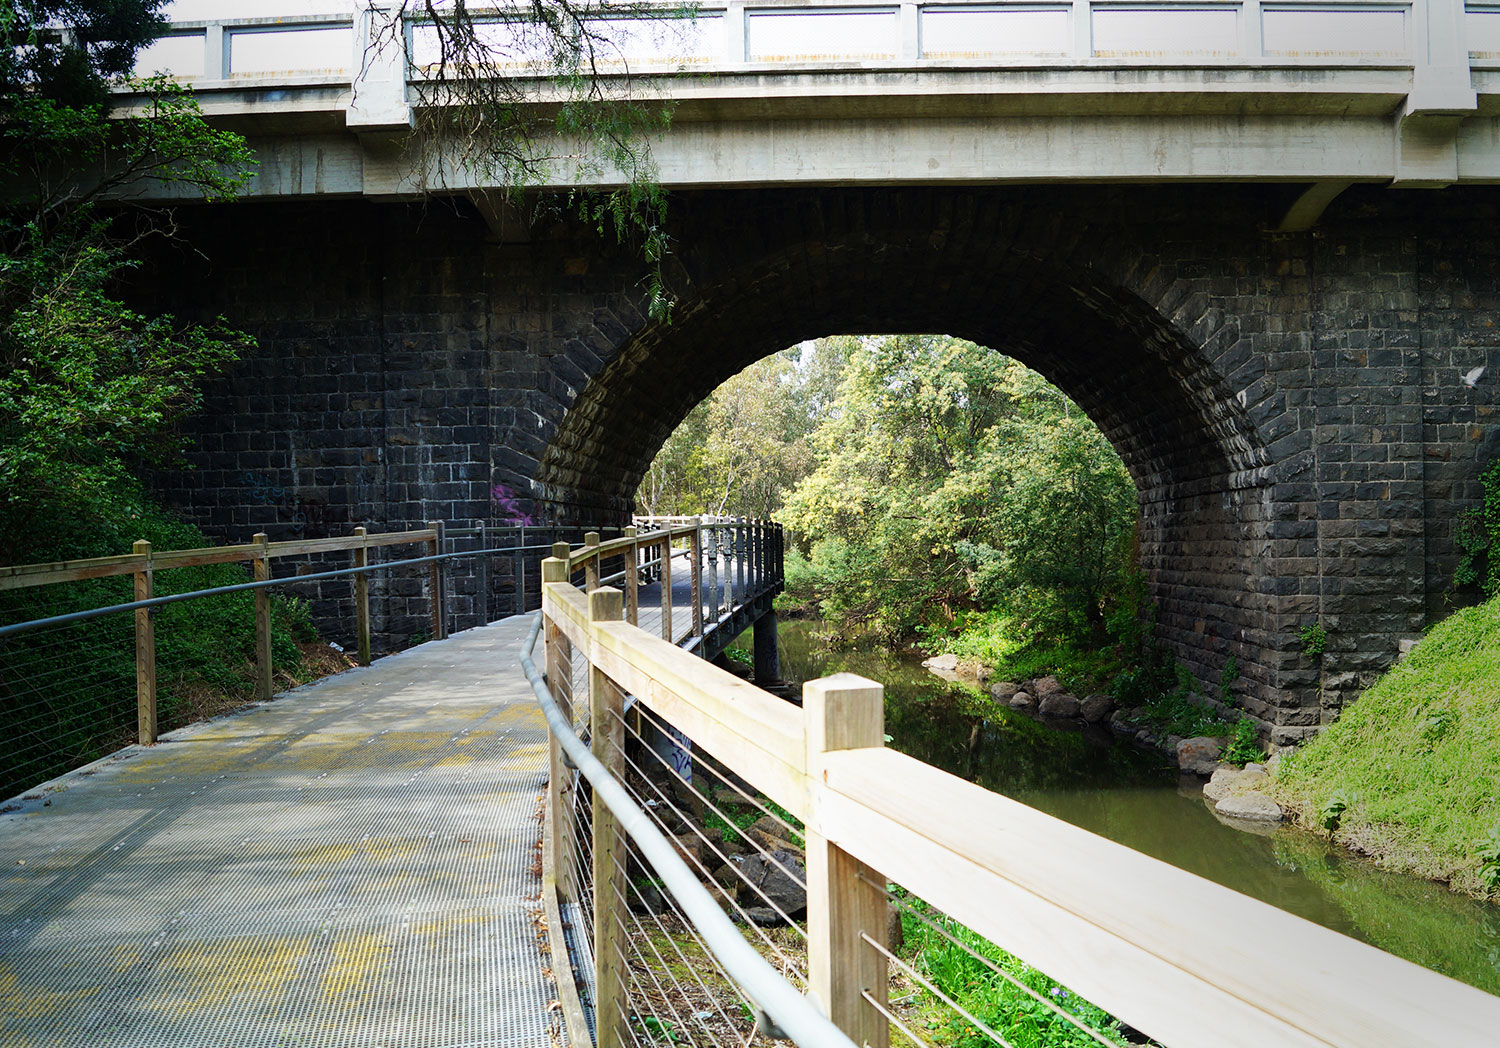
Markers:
(1126, 334)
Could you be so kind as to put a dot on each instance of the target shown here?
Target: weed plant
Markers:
(1244, 743)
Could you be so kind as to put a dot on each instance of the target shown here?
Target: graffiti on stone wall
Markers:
(508, 507)
(302, 516)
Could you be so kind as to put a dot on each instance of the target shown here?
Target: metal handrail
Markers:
(790, 1014)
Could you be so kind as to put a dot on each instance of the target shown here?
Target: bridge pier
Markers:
(765, 655)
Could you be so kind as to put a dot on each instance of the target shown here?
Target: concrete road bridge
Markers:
(1254, 240)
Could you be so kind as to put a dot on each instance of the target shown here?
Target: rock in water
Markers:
(1004, 689)
(1022, 701)
(1096, 707)
(979, 671)
(1199, 755)
(1255, 807)
(1059, 704)
(1227, 779)
(948, 663)
(1047, 686)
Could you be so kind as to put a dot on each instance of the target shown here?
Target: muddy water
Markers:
(1135, 798)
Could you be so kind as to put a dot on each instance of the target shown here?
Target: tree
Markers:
(741, 450)
(69, 50)
(89, 389)
(950, 478)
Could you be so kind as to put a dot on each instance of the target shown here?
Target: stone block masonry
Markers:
(1288, 405)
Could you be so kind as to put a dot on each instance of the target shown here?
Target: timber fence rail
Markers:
(97, 653)
(683, 754)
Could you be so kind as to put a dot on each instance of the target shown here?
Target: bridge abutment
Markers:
(1288, 405)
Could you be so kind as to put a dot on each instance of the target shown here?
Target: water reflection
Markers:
(1135, 798)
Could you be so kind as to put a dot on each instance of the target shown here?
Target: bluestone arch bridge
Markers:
(1252, 240)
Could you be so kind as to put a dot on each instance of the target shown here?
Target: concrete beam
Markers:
(1309, 207)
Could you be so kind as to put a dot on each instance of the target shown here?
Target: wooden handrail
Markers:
(1183, 959)
(23, 576)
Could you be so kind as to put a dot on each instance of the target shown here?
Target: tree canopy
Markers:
(89, 388)
(926, 479)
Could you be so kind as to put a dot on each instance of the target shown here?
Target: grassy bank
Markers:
(1408, 773)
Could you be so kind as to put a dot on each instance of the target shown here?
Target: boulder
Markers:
(1145, 737)
(1045, 686)
(690, 848)
(646, 899)
(774, 880)
(1022, 701)
(1003, 689)
(1059, 704)
(1200, 754)
(763, 916)
(947, 663)
(1229, 781)
(1253, 807)
(1096, 707)
(1122, 723)
(772, 836)
(975, 669)
(724, 797)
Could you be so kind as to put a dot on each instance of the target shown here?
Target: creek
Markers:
(1135, 797)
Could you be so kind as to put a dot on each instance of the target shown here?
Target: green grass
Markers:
(1414, 759)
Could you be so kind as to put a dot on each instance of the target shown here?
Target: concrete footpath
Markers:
(350, 864)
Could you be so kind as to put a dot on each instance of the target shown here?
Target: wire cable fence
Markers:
(705, 820)
(97, 654)
(946, 985)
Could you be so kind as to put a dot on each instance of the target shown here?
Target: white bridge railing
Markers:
(312, 43)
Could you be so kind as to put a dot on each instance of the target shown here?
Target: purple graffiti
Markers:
(508, 507)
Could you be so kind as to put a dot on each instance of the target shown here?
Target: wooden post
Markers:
(435, 592)
(632, 598)
(362, 597)
(145, 650)
(844, 712)
(666, 586)
(262, 619)
(607, 725)
(590, 566)
(695, 555)
(560, 779)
